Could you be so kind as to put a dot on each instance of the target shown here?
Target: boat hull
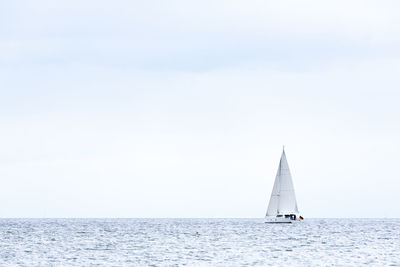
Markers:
(280, 220)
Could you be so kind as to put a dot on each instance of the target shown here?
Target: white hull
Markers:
(279, 220)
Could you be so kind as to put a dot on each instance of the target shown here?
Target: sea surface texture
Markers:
(199, 242)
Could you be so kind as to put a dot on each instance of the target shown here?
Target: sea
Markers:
(199, 242)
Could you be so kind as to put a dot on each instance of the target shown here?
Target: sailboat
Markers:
(282, 206)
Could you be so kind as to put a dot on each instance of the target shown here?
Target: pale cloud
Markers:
(197, 36)
(352, 19)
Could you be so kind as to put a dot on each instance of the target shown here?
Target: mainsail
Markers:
(283, 199)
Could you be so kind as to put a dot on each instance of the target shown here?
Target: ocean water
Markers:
(199, 242)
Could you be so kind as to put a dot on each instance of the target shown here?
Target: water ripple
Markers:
(194, 242)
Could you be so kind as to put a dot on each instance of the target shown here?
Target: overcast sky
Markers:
(181, 108)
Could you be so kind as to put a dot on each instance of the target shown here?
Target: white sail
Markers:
(283, 199)
(274, 200)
